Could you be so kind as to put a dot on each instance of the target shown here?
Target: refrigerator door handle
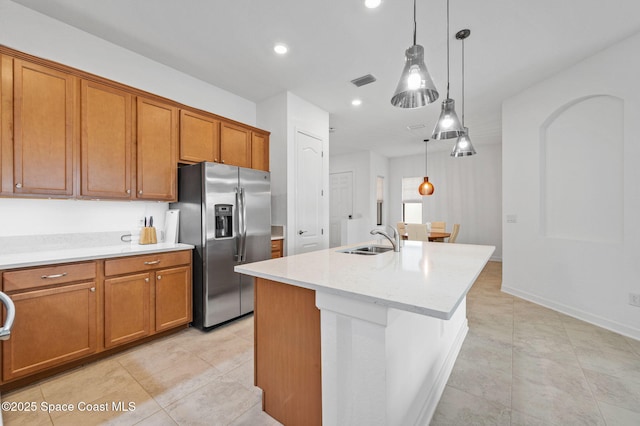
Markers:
(243, 195)
(241, 238)
(239, 216)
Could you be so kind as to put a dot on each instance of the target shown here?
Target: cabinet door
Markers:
(44, 105)
(156, 150)
(105, 141)
(173, 297)
(126, 309)
(51, 327)
(259, 151)
(235, 145)
(199, 137)
(6, 124)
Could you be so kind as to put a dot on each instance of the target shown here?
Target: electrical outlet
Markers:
(634, 299)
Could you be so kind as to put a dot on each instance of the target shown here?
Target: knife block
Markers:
(148, 235)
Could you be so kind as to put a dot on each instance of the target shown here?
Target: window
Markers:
(411, 200)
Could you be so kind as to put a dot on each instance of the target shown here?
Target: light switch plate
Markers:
(512, 218)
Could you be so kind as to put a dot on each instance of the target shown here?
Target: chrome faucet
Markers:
(395, 241)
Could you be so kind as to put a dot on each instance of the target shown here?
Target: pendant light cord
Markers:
(425, 157)
(462, 82)
(447, 49)
(414, 23)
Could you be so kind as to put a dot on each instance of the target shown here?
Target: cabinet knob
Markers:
(159, 277)
(146, 280)
(92, 289)
(140, 192)
(128, 191)
(215, 159)
(18, 185)
(222, 161)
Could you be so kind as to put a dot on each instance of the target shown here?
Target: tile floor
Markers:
(521, 364)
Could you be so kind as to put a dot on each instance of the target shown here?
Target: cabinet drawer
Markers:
(48, 275)
(128, 265)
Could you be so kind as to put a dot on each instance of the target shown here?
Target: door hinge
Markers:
(322, 192)
(321, 231)
(322, 154)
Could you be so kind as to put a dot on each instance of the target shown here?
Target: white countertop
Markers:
(426, 278)
(65, 255)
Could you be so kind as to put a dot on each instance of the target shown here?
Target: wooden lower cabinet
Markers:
(52, 326)
(276, 248)
(153, 295)
(61, 309)
(173, 297)
(126, 309)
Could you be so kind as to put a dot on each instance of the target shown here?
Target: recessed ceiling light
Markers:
(356, 102)
(280, 48)
(372, 4)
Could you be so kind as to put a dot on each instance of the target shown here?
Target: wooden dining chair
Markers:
(438, 226)
(417, 232)
(454, 233)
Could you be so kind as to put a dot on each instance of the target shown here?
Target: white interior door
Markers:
(309, 193)
(340, 205)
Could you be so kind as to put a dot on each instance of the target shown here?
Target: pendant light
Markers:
(426, 187)
(415, 88)
(448, 125)
(463, 145)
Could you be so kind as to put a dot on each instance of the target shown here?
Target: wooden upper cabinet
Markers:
(6, 124)
(235, 145)
(260, 151)
(199, 137)
(157, 135)
(105, 141)
(44, 110)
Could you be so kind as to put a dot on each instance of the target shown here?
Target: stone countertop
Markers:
(425, 278)
(70, 254)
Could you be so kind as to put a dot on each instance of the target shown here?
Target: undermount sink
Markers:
(367, 250)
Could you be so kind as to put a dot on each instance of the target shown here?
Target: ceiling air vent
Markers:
(414, 127)
(365, 79)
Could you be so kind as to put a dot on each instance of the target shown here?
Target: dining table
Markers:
(433, 236)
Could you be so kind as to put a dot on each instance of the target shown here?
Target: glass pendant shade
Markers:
(415, 88)
(448, 125)
(426, 187)
(463, 145)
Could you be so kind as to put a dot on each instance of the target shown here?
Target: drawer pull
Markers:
(152, 262)
(44, 277)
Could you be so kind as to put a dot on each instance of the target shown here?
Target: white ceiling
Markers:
(229, 43)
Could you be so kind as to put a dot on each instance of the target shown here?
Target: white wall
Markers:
(577, 269)
(467, 191)
(31, 32)
(272, 116)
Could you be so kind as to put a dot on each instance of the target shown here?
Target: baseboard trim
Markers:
(599, 321)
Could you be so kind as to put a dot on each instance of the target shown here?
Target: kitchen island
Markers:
(361, 339)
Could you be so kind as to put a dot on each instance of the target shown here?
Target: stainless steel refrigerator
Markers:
(225, 212)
